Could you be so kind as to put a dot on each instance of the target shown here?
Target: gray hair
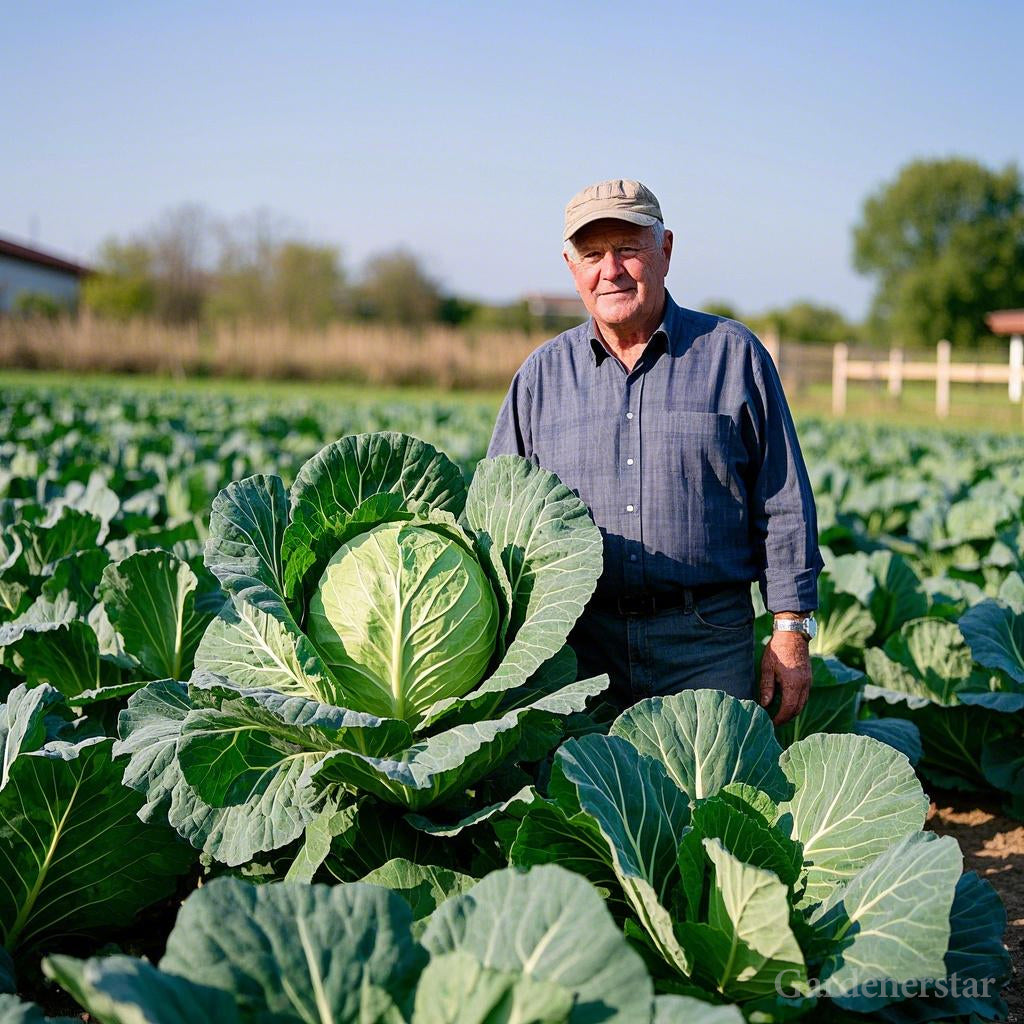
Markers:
(657, 230)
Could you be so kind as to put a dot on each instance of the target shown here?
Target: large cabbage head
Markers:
(404, 616)
(388, 631)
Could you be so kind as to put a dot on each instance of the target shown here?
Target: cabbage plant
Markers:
(74, 858)
(388, 632)
(791, 882)
(533, 948)
(962, 685)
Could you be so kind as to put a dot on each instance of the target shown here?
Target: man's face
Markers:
(620, 272)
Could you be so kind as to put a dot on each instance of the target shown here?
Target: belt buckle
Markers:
(632, 605)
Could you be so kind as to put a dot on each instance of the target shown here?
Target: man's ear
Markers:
(565, 256)
(667, 248)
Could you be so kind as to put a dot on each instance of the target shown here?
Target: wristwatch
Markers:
(806, 626)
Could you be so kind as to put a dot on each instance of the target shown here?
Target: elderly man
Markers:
(672, 427)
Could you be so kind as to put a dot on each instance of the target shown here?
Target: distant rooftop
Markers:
(555, 305)
(40, 258)
(1006, 321)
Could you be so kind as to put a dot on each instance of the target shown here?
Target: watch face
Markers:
(810, 627)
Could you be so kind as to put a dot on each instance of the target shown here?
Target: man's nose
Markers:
(611, 265)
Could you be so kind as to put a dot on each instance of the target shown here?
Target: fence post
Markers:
(1016, 367)
(942, 354)
(774, 346)
(896, 371)
(839, 358)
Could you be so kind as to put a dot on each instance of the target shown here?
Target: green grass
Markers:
(971, 406)
(321, 391)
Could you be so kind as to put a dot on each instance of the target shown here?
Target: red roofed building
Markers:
(1011, 322)
(25, 271)
(1006, 321)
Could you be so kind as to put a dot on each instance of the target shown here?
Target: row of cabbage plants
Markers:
(184, 699)
(365, 677)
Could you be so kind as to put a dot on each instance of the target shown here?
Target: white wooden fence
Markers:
(896, 369)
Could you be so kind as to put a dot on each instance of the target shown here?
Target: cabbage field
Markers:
(289, 731)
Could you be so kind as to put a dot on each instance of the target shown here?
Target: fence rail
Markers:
(896, 369)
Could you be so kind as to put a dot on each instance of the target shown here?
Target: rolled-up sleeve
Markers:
(512, 435)
(782, 513)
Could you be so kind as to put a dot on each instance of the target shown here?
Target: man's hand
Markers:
(787, 664)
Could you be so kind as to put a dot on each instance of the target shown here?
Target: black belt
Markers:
(632, 605)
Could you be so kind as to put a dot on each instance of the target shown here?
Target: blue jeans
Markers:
(707, 643)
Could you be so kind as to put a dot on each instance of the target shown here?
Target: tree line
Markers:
(190, 266)
(943, 242)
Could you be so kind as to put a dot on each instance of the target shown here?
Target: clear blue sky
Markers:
(460, 130)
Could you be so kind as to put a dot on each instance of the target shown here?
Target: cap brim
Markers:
(644, 220)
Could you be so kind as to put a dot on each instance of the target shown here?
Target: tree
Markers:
(180, 244)
(309, 285)
(242, 286)
(456, 311)
(265, 274)
(123, 286)
(396, 289)
(161, 273)
(512, 316)
(721, 307)
(806, 322)
(945, 241)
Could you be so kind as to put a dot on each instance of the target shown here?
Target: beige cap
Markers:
(618, 199)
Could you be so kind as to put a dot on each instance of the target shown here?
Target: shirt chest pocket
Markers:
(697, 450)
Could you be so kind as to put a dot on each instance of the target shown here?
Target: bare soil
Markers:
(993, 845)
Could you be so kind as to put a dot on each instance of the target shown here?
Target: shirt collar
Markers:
(666, 334)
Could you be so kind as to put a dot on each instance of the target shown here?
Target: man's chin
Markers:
(614, 309)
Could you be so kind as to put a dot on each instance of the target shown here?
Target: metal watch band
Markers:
(806, 626)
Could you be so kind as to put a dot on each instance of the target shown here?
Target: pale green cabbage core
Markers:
(404, 617)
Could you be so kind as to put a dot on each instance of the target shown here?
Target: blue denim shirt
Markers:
(689, 464)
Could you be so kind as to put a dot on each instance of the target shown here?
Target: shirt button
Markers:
(629, 508)
(632, 558)
(629, 415)
(629, 462)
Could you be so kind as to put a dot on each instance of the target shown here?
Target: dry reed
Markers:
(444, 357)
(372, 354)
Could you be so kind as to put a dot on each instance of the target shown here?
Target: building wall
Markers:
(17, 276)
